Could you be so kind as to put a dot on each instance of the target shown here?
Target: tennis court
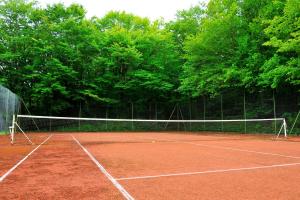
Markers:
(144, 165)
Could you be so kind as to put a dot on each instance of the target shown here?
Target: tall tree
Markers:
(284, 36)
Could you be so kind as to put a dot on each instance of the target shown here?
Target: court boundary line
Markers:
(241, 150)
(21, 161)
(233, 149)
(105, 172)
(208, 172)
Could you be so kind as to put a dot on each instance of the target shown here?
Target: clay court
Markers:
(150, 166)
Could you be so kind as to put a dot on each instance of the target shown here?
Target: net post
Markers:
(284, 128)
(12, 130)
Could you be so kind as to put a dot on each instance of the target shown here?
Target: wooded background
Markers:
(227, 59)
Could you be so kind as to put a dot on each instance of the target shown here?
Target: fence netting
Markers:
(9, 105)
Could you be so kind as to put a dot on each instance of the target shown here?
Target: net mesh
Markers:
(68, 124)
(9, 105)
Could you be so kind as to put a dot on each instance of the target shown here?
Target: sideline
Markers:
(103, 170)
(21, 161)
(242, 150)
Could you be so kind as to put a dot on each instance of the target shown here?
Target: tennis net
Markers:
(51, 124)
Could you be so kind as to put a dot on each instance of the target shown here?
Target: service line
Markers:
(241, 150)
(207, 172)
(232, 149)
(103, 170)
(21, 161)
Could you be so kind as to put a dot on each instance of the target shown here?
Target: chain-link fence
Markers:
(228, 105)
(231, 104)
(9, 105)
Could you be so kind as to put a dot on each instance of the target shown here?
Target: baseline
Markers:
(103, 170)
(207, 172)
(21, 161)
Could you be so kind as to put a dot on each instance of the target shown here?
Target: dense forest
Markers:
(240, 55)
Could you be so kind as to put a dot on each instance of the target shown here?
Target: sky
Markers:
(153, 9)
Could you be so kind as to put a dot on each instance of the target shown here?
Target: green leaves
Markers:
(123, 20)
(55, 58)
(283, 31)
(229, 49)
(213, 50)
(284, 36)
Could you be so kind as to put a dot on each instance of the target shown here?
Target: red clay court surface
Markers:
(150, 166)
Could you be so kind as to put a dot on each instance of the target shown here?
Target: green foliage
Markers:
(57, 60)
(215, 50)
(3, 133)
(284, 36)
(187, 23)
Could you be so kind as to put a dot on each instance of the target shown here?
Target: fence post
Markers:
(132, 115)
(190, 113)
(222, 114)
(274, 111)
(79, 114)
(204, 112)
(245, 112)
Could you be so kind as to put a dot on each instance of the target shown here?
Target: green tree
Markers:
(284, 36)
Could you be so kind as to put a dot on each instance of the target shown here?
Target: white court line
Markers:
(229, 148)
(21, 161)
(233, 149)
(103, 170)
(242, 150)
(208, 172)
